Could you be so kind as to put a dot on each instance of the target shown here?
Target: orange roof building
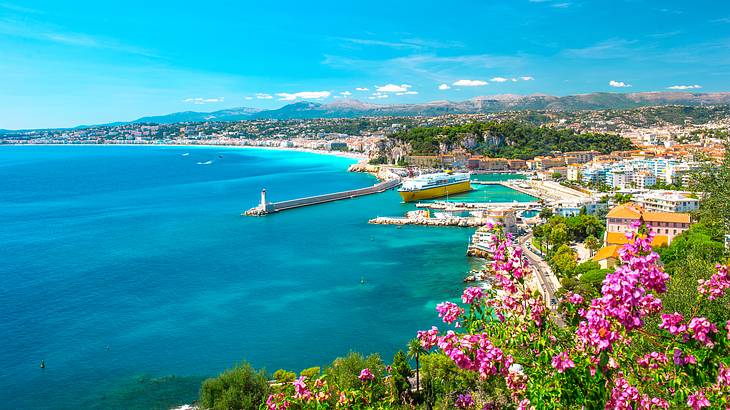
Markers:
(607, 256)
(667, 224)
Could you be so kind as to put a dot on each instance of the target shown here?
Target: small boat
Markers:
(205, 163)
(186, 154)
(43, 364)
(220, 156)
(362, 280)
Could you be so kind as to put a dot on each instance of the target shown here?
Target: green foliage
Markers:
(400, 372)
(592, 243)
(700, 241)
(509, 139)
(284, 376)
(620, 198)
(378, 160)
(239, 388)
(564, 261)
(344, 371)
(714, 182)
(310, 373)
(586, 267)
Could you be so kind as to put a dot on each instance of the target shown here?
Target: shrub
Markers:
(239, 388)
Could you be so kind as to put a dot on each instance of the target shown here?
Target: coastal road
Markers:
(545, 278)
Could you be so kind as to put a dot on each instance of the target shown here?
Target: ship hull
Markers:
(436, 192)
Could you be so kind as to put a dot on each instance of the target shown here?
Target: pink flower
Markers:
(524, 405)
(277, 402)
(622, 395)
(562, 362)
(698, 400)
(472, 294)
(464, 401)
(682, 360)
(449, 311)
(428, 338)
(300, 389)
(723, 376)
(574, 298)
(717, 284)
(700, 329)
(365, 375)
(653, 360)
(673, 323)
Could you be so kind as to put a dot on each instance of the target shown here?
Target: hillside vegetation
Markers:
(509, 139)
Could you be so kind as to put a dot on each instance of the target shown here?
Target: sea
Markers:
(129, 272)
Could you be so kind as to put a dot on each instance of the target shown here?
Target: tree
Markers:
(546, 213)
(400, 372)
(239, 388)
(559, 235)
(415, 350)
(564, 261)
(714, 183)
(592, 244)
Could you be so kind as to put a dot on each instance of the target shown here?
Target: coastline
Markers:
(351, 155)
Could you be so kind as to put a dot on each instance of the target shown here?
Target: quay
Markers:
(464, 222)
(477, 206)
(265, 207)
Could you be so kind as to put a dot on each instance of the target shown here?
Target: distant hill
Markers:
(347, 108)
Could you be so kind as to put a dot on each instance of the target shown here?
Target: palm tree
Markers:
(592, 244)
(414, 351)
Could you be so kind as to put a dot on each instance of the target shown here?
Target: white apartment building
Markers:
(662, 201)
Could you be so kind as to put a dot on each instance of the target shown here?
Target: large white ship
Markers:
(437, 185)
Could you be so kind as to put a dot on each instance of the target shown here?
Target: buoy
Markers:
(43, 364)
(362, 280)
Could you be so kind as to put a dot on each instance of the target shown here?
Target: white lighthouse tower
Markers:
(264, 204)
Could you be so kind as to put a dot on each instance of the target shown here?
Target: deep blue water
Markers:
(130, 271)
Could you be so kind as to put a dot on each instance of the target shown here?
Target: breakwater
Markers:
(265, 207)
(451, 221)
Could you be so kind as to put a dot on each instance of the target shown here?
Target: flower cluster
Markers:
(653, 360)
(449, 311)
(562, 362)
(602, 352)
(472, 294)
(464, 401)
(715, 287)
(366, 375)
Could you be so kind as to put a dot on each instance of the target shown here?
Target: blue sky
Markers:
(72, 62)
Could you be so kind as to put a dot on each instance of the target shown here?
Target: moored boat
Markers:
(437, 185)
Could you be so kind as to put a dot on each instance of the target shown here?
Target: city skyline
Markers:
(64, 66)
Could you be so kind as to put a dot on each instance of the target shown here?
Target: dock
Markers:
(265, 207)
(464, 222)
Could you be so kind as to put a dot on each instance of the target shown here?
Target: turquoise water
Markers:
(131, 273)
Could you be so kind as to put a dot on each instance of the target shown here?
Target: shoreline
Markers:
(351, 155)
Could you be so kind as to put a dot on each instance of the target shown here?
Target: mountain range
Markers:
(349, 108)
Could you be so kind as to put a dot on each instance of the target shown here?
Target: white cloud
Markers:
(314, 95)
(444, 86)
(393, 88)
(200, 101)
(362, 89)
(499, 80)
(684, 87)
(378, 95)
(470, 83)
(618, 84)
(346, 93)
(262, 96)
(527, 78)
(407, 93)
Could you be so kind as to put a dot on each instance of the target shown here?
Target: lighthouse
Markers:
(264, 205)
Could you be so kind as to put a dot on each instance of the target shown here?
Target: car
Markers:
(553, 301)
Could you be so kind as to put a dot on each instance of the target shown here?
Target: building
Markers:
(667, 201)
(581, 157)
(493, 164)
(574, 172)
(517, 164)
(543, 163)
(670, 224)
(607, 257)
(424, 161)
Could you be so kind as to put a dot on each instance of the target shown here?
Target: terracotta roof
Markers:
(631, 211)
(666, 217)
(606, 252)
(618, 238)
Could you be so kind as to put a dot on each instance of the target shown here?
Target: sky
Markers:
(68, 63)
